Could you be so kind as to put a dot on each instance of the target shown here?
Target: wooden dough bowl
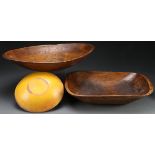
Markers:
(49, 57)
(108, 87)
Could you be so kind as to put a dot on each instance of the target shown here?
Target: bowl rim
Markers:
(150, 85)
(4, 55)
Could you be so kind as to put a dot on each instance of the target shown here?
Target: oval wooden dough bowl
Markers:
(49, 57)
(108, 87)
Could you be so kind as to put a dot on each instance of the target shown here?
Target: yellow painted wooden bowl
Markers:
(39, 92)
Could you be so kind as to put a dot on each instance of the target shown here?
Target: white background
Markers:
(71, 20)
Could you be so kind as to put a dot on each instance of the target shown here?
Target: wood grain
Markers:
(108, 87)
(49, 57)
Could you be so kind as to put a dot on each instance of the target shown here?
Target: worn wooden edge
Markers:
(4, 55)
(151, 87)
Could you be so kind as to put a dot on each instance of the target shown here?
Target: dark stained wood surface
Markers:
(108, 87)
(49, 57)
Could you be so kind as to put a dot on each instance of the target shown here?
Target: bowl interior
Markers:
(49, 53)
(107, 83)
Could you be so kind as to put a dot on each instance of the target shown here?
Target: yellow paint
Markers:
(39, 92)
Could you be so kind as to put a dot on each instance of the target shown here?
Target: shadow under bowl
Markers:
(108, 87)
(49, 57)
